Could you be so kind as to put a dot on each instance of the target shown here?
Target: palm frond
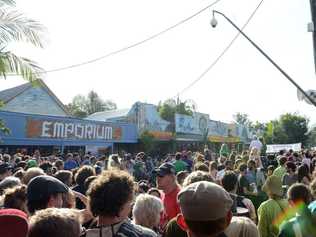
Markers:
(14, 26)
(11, 63)
(7, 2)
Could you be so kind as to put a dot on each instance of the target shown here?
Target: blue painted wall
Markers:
(18, 123)
(34, 100)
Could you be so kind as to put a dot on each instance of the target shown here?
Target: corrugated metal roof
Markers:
(9, 94)
(105, 115)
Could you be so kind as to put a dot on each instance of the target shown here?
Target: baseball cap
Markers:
(165, 169)
(13, 223)
(31, 163)
(274, 185)
(4, 167)
(204, 201)
(43, 186)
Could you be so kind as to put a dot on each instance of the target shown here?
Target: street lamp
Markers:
(214, 24)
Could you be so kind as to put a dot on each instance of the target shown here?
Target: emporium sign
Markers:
(71, 130)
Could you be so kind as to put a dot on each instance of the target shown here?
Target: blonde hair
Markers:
(31, 173)
(241, 226)
(44, 223)
(146, 211)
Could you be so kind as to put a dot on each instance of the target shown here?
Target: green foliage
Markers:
(15, 27)
(289, 128)
(147, 140)
(82, 106)
(170, 107)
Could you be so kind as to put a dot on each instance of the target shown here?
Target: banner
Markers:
(196, 124)
(275, 148)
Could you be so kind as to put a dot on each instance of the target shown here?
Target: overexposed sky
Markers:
(242, 81)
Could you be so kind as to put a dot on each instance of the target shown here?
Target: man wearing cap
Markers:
(167, 182)
(205, 210)
(43, 192)
(269, 210)
(5, 170)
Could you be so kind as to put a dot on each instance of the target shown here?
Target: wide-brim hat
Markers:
(273, 185)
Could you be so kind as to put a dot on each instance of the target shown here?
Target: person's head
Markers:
(111, 195)
(251, 164)
(31, 173)
(290, 167)
(64, 176)
(229, 165)
(270, 170)
(154, 192)
(147, 210)
(303, 171)
(213, 166)
(43, 192)
(181, 176)
(230, 181)
(205, 209)
(166, 177)
(299, 193)
(178, 156)
(9, 182)
(88, 181)
(313, 188)
(59, 164)
(31, 163)
(201, 166)
(143, 186)
(69, 156)
(15, 198)
(273, 187)
(282, 160)
(13, 223)
(197, 176)
(44, 223)
(5, 170)
(242, 226)
(83, 173)
(47, 167)
(242, 168)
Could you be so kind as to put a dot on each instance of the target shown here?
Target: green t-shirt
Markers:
(268, 212)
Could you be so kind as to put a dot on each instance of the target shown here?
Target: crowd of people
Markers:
(189, 194)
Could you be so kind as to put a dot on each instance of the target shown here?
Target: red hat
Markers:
(13, 223)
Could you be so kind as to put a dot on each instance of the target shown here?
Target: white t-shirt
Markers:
(256, 144)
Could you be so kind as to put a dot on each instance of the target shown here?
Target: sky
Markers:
(242, 81)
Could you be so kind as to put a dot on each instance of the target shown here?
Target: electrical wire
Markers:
(220, 55)
(127, 47)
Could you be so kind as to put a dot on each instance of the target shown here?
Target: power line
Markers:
(129, 46)
(221, 54)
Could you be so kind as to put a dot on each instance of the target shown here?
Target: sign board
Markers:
(31, 129)
(196, 124)
(56, 129)
(275, 148)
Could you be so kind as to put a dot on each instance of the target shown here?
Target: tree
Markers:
(289, 128)
(15, 27)
(168, 108)
(147, 140)
(242, 119)
(82, 106)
